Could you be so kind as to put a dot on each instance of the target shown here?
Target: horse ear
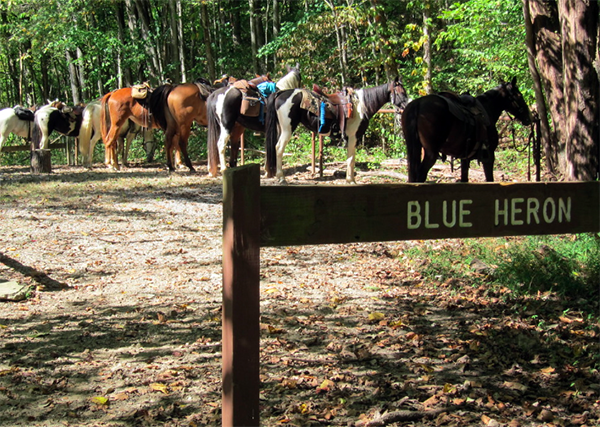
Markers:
(514, 81)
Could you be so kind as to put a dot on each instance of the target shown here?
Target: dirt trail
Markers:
(123, 324)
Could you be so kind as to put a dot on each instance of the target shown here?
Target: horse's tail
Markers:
(158, 104)
(212, 136)
(36, 133)
(105, 116)
(85, 134)
(271, 135)
(410, 129)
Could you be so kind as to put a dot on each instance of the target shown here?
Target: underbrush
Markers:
(566, 265)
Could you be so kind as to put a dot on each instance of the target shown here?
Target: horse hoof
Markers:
(282, 181)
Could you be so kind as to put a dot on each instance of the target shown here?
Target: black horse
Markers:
(463, 127)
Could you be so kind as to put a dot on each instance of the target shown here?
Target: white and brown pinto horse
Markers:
(13, 121)
(286, 110)
(55, 116)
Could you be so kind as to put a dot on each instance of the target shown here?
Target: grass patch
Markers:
(568, 265)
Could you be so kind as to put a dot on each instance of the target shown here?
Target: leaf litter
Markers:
(123, 328)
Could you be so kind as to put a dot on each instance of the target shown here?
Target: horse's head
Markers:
(59, 105)
(291, 80)
(398, 95)
(515, 104)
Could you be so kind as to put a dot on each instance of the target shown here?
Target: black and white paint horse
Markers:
(90, 133)
(227, 123)
(17, 121)
(55, 116)
(286, 110)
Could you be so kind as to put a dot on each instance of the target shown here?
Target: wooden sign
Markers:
(255, 216)
(334, 214)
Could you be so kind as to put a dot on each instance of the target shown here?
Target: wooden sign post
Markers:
(255, 216)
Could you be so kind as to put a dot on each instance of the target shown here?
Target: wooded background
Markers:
(78, 50)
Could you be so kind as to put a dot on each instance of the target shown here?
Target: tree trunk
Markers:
(73, 78)
(210, 60)
(579, 25)
(143, 22)
(340, 45)
(124, 77)
(81, 74)
(382, 36)
(538, 89)
(276, 26)
(548, 55)
(41, 161)
(427, 49)
(253, 36)
(183, 69)
(173, 30)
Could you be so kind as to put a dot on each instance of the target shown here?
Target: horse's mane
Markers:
(291, 80)
(375, 97)
(158, 104)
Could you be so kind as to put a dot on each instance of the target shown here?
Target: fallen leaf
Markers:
(160, 387)
(376, 316)
(100, 400)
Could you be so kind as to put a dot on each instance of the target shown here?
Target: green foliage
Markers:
(567, 265)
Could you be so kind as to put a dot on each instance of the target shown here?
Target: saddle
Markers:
(204, 87)
(252, 100)
(471, 113)
(337, 106)
(140, 91)
(23, 113)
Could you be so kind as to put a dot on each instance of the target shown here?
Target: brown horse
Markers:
(118, 106)
(459, 126)
(175, 108)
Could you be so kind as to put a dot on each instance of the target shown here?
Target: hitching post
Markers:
(241, 296)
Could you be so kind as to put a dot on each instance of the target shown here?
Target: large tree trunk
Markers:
(73, 77)
(579, 25)
(340, 42)
(548, 55)
(253, 36)
(427, 49)
(276, 26)
(538, 89)
(210, 59)
(181, 53)
(143, 22)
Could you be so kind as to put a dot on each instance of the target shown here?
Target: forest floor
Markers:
(122, 323)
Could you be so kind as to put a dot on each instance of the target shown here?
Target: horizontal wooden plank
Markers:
(15, 148)
(305, 215)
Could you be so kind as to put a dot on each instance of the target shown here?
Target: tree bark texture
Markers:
(548, 56)
(538, 88)
(579, 27)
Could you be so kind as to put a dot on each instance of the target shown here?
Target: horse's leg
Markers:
(110, 144)
(169, 146)
(429, 159)
(89, 157)
(285, 134)
(465, 164)
(234, 146)
(121, 150)
(224, 138)
(488, 168)
(184, 135)
(351, 159)
(149, 144)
